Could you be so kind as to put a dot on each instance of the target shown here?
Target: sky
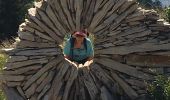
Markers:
(165, 2)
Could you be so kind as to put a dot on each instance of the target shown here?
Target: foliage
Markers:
(167, 14)
(150, 4)
(3, 59)
(2, 96)
(12, 13)
(160, 88)
(146, 3)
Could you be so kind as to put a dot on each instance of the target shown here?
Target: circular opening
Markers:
(78, 50)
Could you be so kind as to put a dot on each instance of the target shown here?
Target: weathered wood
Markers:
(105, 95)
(77, 90)
(101, 75)
(42, 78)
(89, 12)
(45, 89)
(123, 68)
(32, 24)
(130, 31)
(82, 88)
(30, 44)
(78, 13)
(46, 81)
(26, 36)
(54, 91)
(116, 6)
(31, 90)
(49, 31)
(39, 52)
(25, 63)
(19, 89)
(100, 15)
(126, 5)
(11, 93)
(36, 57)
(34, 97)
(131, 49)
(73, 76)
(141, 34)
(49, 23)
(11, 77)
(17, 58)
(148, 60)
(61, 15)
(89, 83)
(43, 35)
(138, 83)
(53, 17)
(67, 12)
(123, 16)
(23, 70)
(98, 3)
(13, 84)
(129, 91)
(106, 23)
(25, 27)
(48, 66)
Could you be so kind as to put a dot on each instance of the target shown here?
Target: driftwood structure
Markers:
(129, 42)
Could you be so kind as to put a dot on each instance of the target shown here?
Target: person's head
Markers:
(80, 35)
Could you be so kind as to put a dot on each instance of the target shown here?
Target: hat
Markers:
(80, 33)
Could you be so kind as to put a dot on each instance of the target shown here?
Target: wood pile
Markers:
(129, 41)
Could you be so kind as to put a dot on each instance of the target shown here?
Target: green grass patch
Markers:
(3, 59)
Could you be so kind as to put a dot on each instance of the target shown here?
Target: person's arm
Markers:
(90, 58)
(66, 56)
(88, 63)
(66, 50)
(90, 51)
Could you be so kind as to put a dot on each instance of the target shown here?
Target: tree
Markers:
(150, 3)
(146, 3)
(157, 4)
(12, 13)
(167, 13)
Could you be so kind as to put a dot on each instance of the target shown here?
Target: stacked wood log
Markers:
(129, 41)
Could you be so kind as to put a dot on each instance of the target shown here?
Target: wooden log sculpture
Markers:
(128, 42)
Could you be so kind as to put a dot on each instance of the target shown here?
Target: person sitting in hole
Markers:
(78, 48)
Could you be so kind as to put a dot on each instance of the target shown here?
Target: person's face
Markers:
(79, 38)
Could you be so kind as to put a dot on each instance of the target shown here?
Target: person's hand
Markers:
(71, 62)
(87, 63)
(80, 66)
(75, 63)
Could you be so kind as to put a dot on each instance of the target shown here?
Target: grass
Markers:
(3, 58)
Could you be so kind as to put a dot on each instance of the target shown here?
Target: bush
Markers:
(2, 96)
(167, 14)
(160, 88)
(3, 59)
(12, 13)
